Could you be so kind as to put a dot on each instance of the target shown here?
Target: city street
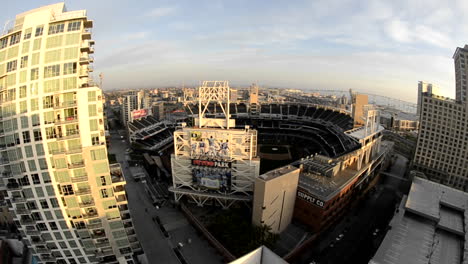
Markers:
(157, 247)
(357, 236)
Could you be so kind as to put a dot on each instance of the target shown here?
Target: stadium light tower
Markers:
(215, 93)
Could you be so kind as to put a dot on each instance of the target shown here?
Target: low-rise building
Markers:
(429, 227)
(274, 198)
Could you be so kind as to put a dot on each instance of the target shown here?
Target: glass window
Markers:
(98, 154)
(34, 105)
(39, 30)
(91, 96)
(27, 33)
(26, 137)
(29, 151)
(11, 66)
(32, 165)
(24, 62)
(40, 152)
(57, 28)
(37, 135)
(92, 110)
(23, 91)
(3, 43)
(15, 38)
(35, 178)
(35, 118)
(69, 68)
(23, 107)
(25, 48)
(52, 71)
(34, 74)
(93, 124)
(73, 26)
(37, 44)
(24, 122)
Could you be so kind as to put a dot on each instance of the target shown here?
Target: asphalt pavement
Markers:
(171, 233)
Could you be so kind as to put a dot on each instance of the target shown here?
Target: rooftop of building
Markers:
(259, 256)
(315, 181)
(277, 172)
(429, 227)
(363, 132)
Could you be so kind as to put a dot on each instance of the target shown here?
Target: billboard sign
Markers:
(211, 163)
(210, 145)
(211, 178)
(137, 114)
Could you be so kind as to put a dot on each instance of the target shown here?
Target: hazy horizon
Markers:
(369, 46)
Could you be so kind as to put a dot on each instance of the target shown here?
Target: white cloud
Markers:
(398, 30)
(160, 12)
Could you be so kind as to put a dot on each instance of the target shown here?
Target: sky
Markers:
(378, 47)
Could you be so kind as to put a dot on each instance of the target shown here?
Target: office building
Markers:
(130, 103)
(358, 103)
(428, 227)
(274, 198)
(70, 205)
(441, 150)
(424, 87)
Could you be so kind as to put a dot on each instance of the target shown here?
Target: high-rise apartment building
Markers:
(69, 204)
(424, 87)
(441, 150)
(461, 71)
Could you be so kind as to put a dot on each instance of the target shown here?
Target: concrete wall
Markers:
(274, 199)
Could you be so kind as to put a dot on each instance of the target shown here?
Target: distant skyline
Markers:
(379, 47)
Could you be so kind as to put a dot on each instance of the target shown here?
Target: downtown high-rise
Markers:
(68, 202)
(442, 147)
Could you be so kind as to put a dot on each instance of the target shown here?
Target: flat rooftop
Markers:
(277, 172)
(324, 187)
(428, 228)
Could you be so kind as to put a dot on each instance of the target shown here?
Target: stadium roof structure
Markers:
(150, 134)
(429, 228)
(259, 256)
(315, 179)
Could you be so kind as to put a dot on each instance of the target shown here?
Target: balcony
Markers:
(121, 198)
(126, 216)
(86, 60)
(90, 215)
(76, 165)
(57, 151)
(116, 173)
(79, 179)
(86, 35)
(65, 105)
(70, 135)
(98, 234)
(81, 191)
(87, 204)
(74, 150)
(94, 226)
(119, 190)
(66, 120)
(104, 253)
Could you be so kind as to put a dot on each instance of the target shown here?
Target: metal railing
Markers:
(81, 191)
(79, 179)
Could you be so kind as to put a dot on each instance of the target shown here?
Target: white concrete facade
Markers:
(69, 205)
